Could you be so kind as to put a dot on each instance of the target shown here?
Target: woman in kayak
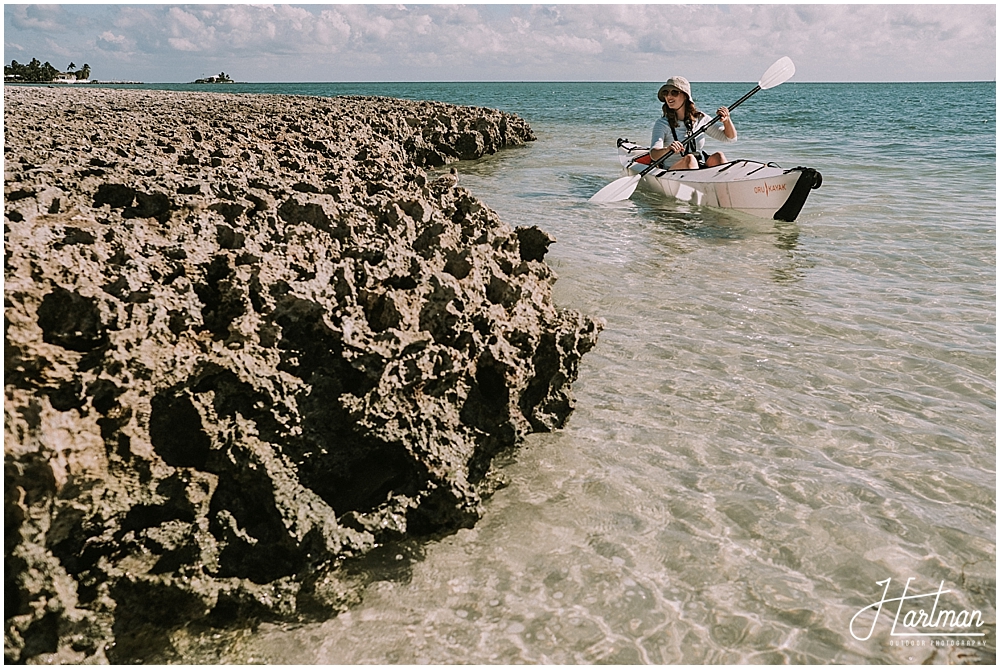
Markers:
(681, 119)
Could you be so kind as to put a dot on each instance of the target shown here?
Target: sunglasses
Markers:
(673, 91)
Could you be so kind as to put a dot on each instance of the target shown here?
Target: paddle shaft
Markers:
(656, 163)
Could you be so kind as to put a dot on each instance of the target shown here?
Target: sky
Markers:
(159, 43)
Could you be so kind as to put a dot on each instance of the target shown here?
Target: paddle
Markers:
(622, 189)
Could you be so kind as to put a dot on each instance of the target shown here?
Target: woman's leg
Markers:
(715, 159)
(688, 162)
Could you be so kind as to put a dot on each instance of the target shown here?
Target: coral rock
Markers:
(249, 338)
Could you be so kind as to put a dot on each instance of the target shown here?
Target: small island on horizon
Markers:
(220, 78)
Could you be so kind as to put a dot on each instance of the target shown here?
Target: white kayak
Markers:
(760, 189)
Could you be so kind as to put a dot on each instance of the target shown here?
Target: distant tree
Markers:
(34, 71)
(38, 72)
(71, 66)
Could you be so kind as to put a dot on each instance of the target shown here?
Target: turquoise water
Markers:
(777, 417)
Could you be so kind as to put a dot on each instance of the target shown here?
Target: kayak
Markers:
(760, 189)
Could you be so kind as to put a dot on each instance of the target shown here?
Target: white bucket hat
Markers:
(680, 83)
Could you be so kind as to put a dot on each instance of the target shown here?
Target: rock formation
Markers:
(248, 339)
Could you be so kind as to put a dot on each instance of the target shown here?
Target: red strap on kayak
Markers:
(643, 160)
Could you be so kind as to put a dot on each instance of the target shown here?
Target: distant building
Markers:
(69, 78)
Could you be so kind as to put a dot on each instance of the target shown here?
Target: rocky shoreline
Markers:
(248, 339)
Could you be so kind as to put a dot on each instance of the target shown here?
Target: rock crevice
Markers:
(248, 338)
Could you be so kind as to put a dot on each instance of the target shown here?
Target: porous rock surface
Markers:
(248, 338)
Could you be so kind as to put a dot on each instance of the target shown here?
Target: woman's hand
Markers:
(727, 123)
(676, 147)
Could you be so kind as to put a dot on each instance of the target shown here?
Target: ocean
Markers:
(782, 425)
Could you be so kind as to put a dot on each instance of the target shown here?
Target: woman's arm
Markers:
(727, 133)
(676, 147)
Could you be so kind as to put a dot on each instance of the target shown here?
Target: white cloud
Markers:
(108, 41)
(520, 42)
(182, 44)
(42, 18)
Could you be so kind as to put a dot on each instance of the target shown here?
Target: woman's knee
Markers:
(688, 162)
(716, 158)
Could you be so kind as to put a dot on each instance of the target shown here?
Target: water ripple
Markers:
(777, 417)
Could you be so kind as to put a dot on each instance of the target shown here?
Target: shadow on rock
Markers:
(253, 355)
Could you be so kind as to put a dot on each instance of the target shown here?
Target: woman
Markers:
(681, 119)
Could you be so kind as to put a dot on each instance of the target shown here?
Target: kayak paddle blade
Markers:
(617, 190)
(777, 74)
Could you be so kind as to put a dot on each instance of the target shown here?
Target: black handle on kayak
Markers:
(656, 163)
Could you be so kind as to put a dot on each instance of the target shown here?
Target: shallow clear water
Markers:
(777, 416)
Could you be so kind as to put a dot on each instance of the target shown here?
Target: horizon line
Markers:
(498, 81)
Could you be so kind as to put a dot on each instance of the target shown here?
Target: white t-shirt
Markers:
(662, 137)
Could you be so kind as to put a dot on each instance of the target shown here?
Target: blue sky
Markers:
(493, 42)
